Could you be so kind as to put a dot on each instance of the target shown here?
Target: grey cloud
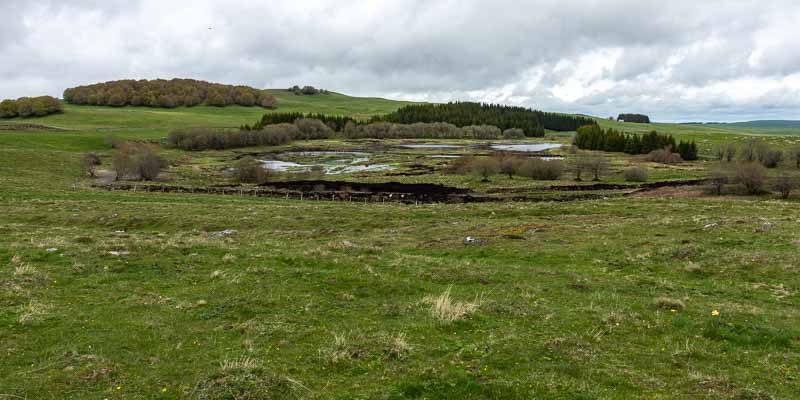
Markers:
(440, 50)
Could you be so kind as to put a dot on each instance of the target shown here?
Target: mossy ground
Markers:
(132, 295)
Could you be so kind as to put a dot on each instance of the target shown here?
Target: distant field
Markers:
(131, 295)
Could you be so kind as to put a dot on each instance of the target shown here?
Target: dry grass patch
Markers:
(398, 346)
(33, 312)
(341, 350)
(240, 363)
(445, 310)
(666, 303)
(23, 270)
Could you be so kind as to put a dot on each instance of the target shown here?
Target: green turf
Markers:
(322, 300)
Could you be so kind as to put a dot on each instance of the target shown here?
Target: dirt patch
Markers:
(27, 127)
(322, 190)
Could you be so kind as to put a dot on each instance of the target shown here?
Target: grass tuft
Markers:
(445, 310)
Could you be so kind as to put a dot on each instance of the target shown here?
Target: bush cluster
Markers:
(30, 107)
(752, 177)
(664, 156)
(133, 160)
(435, 130)
(635, 174)
(167, 94)
(197, 139)
(511, 165)
(250, 170)
(755, 150)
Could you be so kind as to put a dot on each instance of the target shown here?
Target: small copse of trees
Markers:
(637, 118)
(306, 90)
(30, 107)
(304, 128)
(198, 139)
(335, 122)
(531, 122)
(167, 94)
(592, 137)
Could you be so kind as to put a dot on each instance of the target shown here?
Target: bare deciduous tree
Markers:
(784, 185)
(89, 163)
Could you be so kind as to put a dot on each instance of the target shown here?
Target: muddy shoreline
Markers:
(320, 190)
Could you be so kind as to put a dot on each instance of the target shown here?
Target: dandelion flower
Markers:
(164, 390)
(715, 313)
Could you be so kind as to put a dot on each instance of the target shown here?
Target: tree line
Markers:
(196, 139)
(531, 122)
(592, 137)
(637, 118)
(335, 122)
(167, 94)
(30, 107)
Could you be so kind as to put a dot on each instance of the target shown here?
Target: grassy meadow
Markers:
(129, 295)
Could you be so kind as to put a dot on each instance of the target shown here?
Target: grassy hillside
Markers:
(138, 296)
(763, 124)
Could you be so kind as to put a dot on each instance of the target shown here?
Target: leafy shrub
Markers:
(635, 174)
(136, 161)
(309, 128)
(249, 170)
(542, 170)
(663, 156)
(485, 167)
(771, 158)
(148, 165)
(751, 176)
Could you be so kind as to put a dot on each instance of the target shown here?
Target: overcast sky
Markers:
(674, 60)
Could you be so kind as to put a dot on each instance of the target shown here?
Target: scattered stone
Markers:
(52, 250)
(119, 253)
(471, 241)
(225, 233)
(119, 231)
(711, 226)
